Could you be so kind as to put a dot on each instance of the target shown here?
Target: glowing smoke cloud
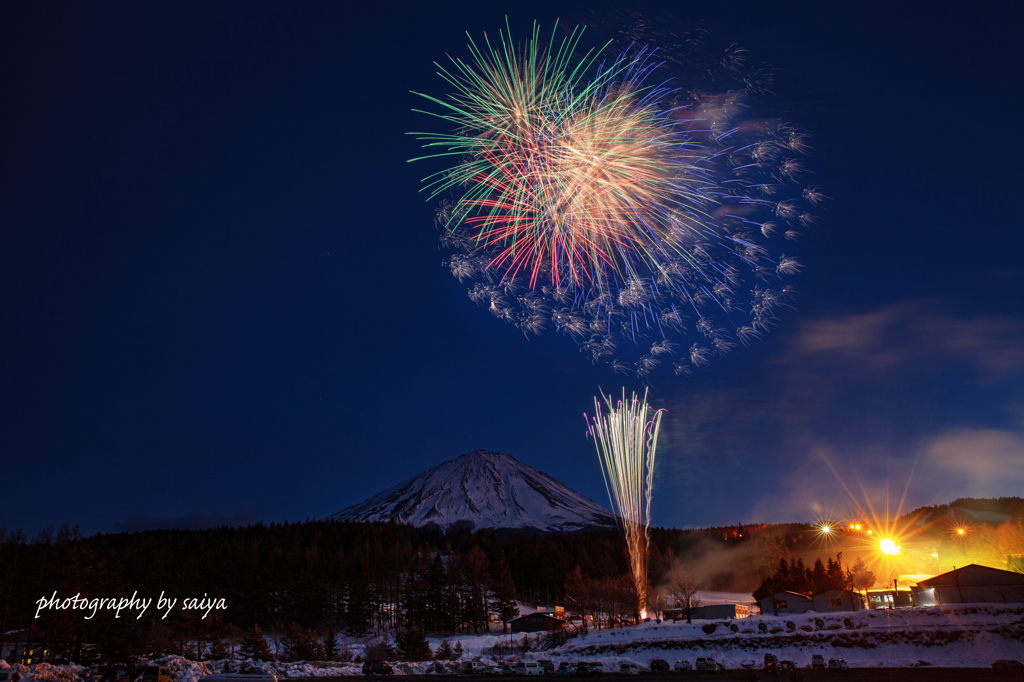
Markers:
(626, 439)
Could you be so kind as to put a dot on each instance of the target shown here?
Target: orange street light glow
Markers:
(887, 546)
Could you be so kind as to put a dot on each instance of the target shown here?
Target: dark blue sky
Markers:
(222, 298)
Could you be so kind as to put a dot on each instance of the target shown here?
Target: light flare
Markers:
(889, 546)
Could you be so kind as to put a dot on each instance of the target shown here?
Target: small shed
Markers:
(786, 603)
(536, 622)
(837, 600)
(726, 611)
(971, 585)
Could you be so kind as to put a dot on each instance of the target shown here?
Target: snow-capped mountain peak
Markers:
(483, 489)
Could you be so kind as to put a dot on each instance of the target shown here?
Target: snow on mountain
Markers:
(483, 489)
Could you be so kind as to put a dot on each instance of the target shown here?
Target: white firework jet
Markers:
(626, 439)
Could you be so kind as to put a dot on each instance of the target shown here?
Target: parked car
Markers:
(529, 668)
(589, 669)
(817, 661)
(659, 665)
(507, 669)
(107, 673)
(372, 668)
(629, 669)
(473, 667)
(709, 665)
(1007, 667)
(490, 670)
(566, 669)
(683, 665)
(837, 664)
(548, 666)
(154, 673)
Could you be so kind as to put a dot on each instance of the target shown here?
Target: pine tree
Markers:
(412, 645)
(476, 570)
(504, 594)
(444, 651)
(330, 645)
(234, 635)
(416, 605)
(357, 609)
(436, 617)
(819, 577)
(218, 649)
(457, 651)
(302, 644)
(380, 651)
(255, 645)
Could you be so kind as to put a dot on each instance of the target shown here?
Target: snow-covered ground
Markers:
(968, 635)
(963, 635)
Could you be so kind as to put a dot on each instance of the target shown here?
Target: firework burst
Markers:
(626, 439)
(582, 191)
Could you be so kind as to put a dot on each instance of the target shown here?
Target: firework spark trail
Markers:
(626, 440)
(615, 199)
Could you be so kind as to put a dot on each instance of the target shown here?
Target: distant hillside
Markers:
(992, 510)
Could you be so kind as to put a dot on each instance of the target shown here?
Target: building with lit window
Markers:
(889, 599)
(536, 622)
(971, 584)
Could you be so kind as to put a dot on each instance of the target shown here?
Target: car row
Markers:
(588, 668)
(372, 668)
(773, 664)
(585, 668)
(593, 668)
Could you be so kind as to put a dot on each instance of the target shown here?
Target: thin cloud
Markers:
(915, 333)
(981, 462)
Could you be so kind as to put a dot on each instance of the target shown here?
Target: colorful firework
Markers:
(586, 194)
(626, 440)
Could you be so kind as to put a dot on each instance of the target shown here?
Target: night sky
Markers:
(222, 297)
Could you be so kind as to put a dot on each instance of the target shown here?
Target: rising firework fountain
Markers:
(626, 439)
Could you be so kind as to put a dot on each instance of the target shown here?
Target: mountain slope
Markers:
(482, 489)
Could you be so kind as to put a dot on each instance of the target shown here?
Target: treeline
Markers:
(302, 581)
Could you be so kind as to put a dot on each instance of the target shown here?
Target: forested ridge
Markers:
(305, 581)
(359, 578)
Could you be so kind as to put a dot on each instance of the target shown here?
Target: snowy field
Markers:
(967, 635)
(962, 635)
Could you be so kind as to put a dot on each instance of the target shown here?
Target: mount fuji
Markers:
(481, 490)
